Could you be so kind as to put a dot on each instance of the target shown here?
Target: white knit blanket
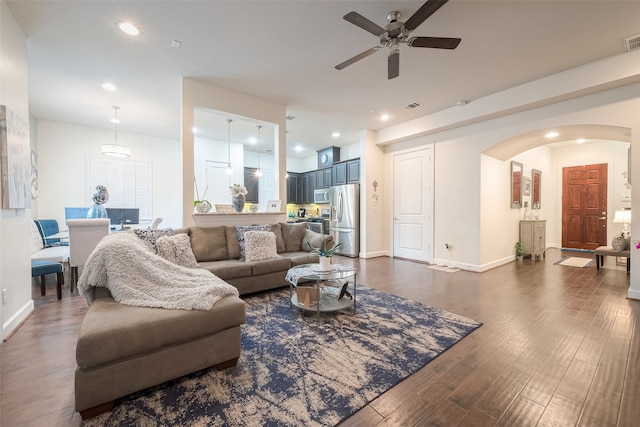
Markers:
(135, 275)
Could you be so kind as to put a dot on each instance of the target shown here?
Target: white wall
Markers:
(63, 150)
(15, 266)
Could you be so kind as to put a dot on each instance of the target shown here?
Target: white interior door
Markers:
(413, 205)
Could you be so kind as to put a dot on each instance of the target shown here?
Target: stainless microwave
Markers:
(321, 196)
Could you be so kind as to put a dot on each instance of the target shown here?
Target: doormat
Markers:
(576, 250)
(444, 268)
(571, 261)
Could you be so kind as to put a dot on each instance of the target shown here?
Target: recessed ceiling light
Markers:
(194, 129)
(335, 134)
(114, 120)
(462, 102)
(580, 141)
(298, 148)
(551, 135)
(253, 140)
(129, 28)
(384, 117)
(109, 86)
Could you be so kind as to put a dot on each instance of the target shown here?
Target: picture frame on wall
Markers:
(526, 188)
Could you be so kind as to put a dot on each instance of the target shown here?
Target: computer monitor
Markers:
(124, 216)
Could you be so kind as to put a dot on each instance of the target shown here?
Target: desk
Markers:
(603, 251)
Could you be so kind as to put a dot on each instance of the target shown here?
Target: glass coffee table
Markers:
(322, 291)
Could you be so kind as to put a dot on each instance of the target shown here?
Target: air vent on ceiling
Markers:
(290, 117)
(412, 106)
(632, 43)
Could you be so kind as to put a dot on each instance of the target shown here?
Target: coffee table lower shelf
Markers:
(328, 301)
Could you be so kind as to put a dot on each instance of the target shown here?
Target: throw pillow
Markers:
(241, 229)
(315, 240)
(260, 245)
(293, 234)
(209, 243)
(152, 236)
(177, 249)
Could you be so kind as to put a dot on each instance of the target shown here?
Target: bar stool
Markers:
(42, 268)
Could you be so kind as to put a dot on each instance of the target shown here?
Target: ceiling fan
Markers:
(397, 32)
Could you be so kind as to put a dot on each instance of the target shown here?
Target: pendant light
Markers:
(229, 169)
(115, 150)
(259, 171)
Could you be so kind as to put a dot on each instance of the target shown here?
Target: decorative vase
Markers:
(97, 211)
(202, 207)
(325, 263)
(238, 202)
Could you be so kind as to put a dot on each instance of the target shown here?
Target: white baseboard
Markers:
(374, 254)
(633, 294)
(15, 320)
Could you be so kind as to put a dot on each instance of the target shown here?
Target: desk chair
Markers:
(48, 227)
(154, 224)
(84, 235)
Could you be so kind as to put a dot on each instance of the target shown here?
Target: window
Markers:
(128, 183)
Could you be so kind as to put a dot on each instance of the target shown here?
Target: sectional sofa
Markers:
(122, 348)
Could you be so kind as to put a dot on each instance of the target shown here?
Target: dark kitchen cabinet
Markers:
(347, 172)
(323, 178)
(294, 188)
(251, 182)
(308, 186)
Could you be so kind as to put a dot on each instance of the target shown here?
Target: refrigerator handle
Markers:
(340, 207)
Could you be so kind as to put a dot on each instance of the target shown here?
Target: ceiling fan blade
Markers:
(434, 42)
(356, 19)
(393, 65)
(357, 57)
(426, 10)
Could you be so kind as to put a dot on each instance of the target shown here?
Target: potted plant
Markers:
(324, 254)
(200, 205)
(519, 256)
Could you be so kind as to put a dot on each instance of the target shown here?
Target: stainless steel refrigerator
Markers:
(344, 224)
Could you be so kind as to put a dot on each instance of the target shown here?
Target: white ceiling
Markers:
(285, 52)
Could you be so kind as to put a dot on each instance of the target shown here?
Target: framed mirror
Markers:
(516, 185)
(535, 188)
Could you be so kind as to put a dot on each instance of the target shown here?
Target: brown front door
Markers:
(584, 206)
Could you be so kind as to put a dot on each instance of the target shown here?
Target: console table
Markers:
(533, 237)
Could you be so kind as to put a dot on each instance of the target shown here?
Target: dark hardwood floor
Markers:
(559, 347)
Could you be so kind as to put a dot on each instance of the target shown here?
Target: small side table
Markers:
(326, 296)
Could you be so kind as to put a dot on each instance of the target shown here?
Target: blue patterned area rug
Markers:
(297, 371)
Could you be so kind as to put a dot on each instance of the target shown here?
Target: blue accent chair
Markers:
(41, 268)
(47, 227)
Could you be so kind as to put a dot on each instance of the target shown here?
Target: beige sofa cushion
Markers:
(233, 247)
(113, 331)
(293, 234)
(315, 240)
(277, 230)
(209, 243)
(228, 268)
(280, 264)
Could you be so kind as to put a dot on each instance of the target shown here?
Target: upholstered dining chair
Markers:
(84, 235)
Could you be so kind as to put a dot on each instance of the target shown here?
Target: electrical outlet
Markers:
(4, 296)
